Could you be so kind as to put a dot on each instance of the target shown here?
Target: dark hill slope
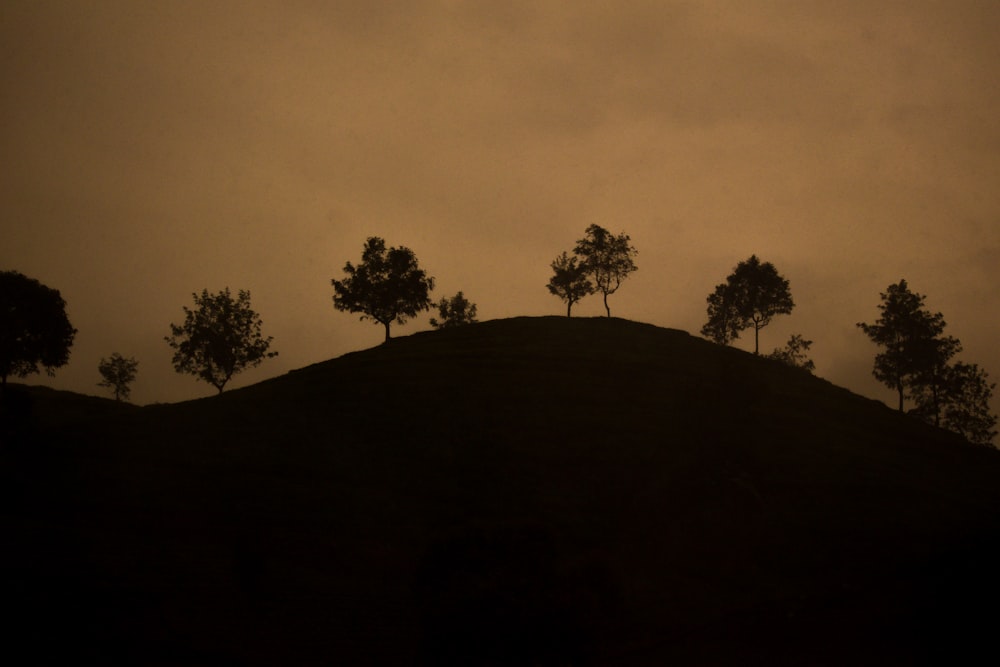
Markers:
(545, 491)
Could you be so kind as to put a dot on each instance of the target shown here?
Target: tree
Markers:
(455, 312)
(915, 353)
(570, 281)
(753, 294)
(965, 408)
(606, 258)
(118, 373)
(387, 286)
(34, 328)
(795, 353)
(219, 338)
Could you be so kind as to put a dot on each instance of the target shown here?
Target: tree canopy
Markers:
(570, 280)
(387, 286)
(454, 312)
(34, 329)
(753, 294)
(219, 338)
(118, 373)
(916, 361)
(913, 348)
(607, 259)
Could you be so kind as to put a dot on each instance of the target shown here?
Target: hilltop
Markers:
(533, 491)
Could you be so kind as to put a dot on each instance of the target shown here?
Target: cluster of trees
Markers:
(221, 336)
(599, 263)
(916, 359)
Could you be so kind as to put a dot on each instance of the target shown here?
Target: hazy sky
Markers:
(153, 149)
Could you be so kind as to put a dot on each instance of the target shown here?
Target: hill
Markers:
(545, 491)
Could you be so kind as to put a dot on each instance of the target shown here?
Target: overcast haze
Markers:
(153, 149)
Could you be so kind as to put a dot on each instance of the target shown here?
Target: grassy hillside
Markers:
(533, 491)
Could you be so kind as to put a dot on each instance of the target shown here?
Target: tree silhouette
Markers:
(118, 373)
(752, 294)
(387, 286)
(34, 329)
(915, 353)
(965, 403)
(455, 312)
(795, 353)
(219, 338)
(607, 259)
(570, 280)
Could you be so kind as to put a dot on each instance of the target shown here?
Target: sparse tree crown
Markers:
(34, 329)
(454, 312)
(607, 258)
(753, 294)
(220, 337)
(387, 286)
(795, 353)
(118, 373)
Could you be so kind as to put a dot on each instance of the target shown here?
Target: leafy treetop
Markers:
(34, 328)
(454, 312)
(387, 286)
(220, 337)
(753, 294)
(608, 259)
(570, 280)
(118, 373)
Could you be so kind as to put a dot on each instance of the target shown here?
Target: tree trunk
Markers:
(606, 304)
(899, 387)
(569, 307)
(387, 330)
(756, 339)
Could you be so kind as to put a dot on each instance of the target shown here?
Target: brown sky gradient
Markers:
(152, 149)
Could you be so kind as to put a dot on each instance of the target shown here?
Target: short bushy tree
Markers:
(608, 259)
(387, 286)
(454, 312)
(34, 329)
(751, 296)
(219, 338)
(118, 373)
(570, 280)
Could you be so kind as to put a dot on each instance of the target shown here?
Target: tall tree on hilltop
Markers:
(570, 280)
(607, 258)
(220, 337)
(387, 286)
(753, 294)
(34, 328)
(914, 352)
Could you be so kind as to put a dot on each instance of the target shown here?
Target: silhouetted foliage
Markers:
(454, 312)
(752, 294)
(914, 351)
(387, 286)
(966, 408)
(34, 329)
(795, 353)
(118, 373)
(606, 258)
(219, 338)
(570, 280)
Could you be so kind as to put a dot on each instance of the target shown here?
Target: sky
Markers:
(151, 150)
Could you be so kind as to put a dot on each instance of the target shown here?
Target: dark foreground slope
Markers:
(526, 492)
